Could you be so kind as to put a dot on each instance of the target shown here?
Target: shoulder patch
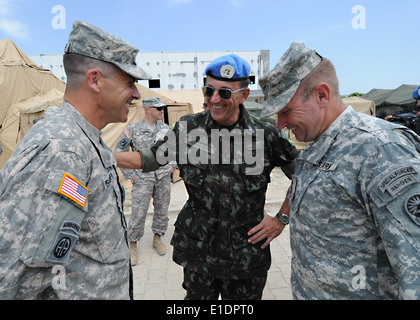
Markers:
(398, 179)
(412, 207)
(127, 134)
(73, 190)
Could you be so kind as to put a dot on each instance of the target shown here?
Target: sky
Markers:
(373, 44)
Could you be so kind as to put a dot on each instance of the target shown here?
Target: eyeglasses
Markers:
(157, 108)
(224, 93)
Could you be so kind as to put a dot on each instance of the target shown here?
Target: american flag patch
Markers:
(127, 134)
(74, 190)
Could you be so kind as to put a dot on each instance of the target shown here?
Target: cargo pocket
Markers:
(246, 254)
(194, 232)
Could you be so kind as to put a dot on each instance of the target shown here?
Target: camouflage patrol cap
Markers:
(93, 42)
(153, 102)
(281, 83)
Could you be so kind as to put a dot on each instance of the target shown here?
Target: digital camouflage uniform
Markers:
(355, 212)
(225, 201)
(156, 184)
(42, 224)
(354, 199)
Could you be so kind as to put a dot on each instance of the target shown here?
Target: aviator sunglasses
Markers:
(224, 93)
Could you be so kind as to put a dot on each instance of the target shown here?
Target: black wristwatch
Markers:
(284, 218)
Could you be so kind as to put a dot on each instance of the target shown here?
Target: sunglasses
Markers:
(158, 108)
(224, 93)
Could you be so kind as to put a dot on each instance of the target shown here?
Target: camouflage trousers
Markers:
(200, 287)
(143, 191)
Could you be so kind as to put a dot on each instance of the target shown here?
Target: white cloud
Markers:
(5, 7)
(8, 24)
(14, 28)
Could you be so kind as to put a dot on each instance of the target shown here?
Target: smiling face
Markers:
(225, 112)
(304, 117)
(119, 91)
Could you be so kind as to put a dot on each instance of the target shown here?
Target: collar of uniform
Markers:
(317, 149)
(93, 133)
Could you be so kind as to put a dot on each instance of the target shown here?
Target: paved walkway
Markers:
(159, 278)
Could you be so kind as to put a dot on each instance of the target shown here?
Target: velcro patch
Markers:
(127, 134)
(412, 206)
(73, 190)
(394, 182)
(62, 247)
(400, 184)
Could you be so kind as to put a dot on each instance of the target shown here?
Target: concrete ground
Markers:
(159, 278)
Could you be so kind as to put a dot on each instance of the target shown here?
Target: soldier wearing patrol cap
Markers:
(355, 195)
(63, 232)
(225, 199)
(155, 184)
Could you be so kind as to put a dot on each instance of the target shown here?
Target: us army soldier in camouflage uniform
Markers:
(63, 232)
(226, 195)
(355, 195)
(156, 184)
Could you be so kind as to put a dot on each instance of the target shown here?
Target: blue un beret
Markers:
(229, 68)
(416, 94)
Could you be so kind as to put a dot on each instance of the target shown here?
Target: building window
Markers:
(252, 79)
(154, 84)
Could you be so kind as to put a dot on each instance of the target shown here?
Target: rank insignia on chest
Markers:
(73, 190)
(127, 134)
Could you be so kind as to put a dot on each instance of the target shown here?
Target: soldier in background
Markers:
(63, 231)
(355, 195)
(156, 184)
(226, 196)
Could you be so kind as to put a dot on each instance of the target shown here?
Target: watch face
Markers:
(284, 219)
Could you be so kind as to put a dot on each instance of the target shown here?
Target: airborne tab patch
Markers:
(73, 190)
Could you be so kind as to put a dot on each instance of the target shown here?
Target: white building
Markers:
(176, 70)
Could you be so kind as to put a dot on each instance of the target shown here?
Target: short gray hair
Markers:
(324, 72)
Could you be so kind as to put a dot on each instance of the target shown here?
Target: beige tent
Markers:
(20, 117)
(194, 97)
(20, 78)
(112, 132)
(23, 88)
(360, 105)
